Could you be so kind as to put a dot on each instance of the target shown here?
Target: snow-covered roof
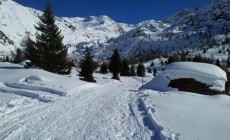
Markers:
(204, 73)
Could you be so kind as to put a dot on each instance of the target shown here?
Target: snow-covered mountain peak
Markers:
(99, 19)
(153, 25)
(16, 21)
(184, 29)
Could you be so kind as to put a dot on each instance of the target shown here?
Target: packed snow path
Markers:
(106, 111)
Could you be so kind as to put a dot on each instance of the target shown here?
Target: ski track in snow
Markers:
(106, 112)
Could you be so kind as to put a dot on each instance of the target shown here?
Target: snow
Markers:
(189, 116)
(35, 104)
(204, 73)
(16, 21)
(32, 108)
(183, 115)
(103, 34)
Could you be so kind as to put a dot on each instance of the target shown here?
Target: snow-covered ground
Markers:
(188, 116)
(183, 115)
(35, 104)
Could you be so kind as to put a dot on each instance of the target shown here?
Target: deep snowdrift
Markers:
(205, 73)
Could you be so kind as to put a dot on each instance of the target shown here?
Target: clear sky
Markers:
(127, 11)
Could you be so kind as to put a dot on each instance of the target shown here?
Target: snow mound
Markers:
(33, 79)
(205, 73)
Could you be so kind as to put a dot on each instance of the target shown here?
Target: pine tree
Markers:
(154, 71)
(30, 49)
(51, 53)
(18, 56)
(87, 67)
(7, 59)
(228, 61)
(149, 70)
(152, 64)
(204, 50)
(132, 71)
(115, 64)
(104, 68)
(140, 70)
(218, 62)
(125, 71)
(183, 56)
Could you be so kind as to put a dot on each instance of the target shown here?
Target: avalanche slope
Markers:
(106, 110)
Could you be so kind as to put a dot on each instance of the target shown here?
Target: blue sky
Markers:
(127, 11)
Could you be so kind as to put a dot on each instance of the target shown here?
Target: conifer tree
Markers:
(152, 64)
(87, 67)
(218, 62)
(154, 71)
(7, 59)
(30, 49)
(104, 68)
(149, 70)
(132, 71)
(140, 70)
(18, 56)
(115, 64)
(51, 53)
(125, 71)
(228, 61)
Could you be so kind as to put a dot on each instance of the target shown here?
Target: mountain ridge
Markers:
(16, 21)
(179, 31)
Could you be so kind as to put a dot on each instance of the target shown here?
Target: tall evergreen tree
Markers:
(140, 70)
(87, 67)
(228, 61)
(152, 64)
(18, 56)
(132, 71)
(217, 62)
(125, 71)
(30, 49)
(51, 53)
(6, 59)
(154, 71)
(115, 64)
(104, 68)
(149, 70)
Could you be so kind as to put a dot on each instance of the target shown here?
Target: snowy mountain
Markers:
(181, 30)
(16, 21)
(188, 28)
